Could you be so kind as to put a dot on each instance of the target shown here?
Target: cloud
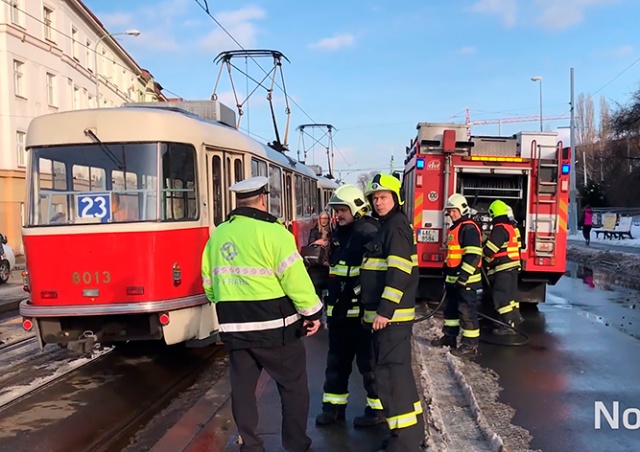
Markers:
(240, 24)
(334, 43)
(505, 9)
(467, 50)
(562, 14)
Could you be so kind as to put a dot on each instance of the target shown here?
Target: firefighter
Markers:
(463, 278)
(347, 336)
(502, 259)
(265, 302)
(389, 280)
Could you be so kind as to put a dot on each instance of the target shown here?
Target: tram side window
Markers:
(179, 192)
(299, 197)
(53, 206)
(275, 191)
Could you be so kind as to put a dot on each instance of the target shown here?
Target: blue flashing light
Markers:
(565, 168)
(420, 163)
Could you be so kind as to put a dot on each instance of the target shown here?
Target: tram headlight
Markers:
(177, 274)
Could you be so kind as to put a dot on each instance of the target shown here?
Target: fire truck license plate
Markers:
(428, 235)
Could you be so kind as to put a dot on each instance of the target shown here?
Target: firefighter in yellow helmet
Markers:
(265, 302)
(502, 259)
(463, 278)
(348, 339)
(389, 280)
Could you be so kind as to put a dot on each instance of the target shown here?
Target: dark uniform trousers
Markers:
(461, 311)
(349, 339)
(286, 364)
(397, 387)
(504, 285)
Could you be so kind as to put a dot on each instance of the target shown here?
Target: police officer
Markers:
(265, 302)
(347, 336)
(462, 280)
(502, 258)
(389, 279)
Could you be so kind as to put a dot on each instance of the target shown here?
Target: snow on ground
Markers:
(462, 410)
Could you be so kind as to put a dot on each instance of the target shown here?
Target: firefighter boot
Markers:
(330, 414)
(465, 351)
(370, 418)
(445, 341)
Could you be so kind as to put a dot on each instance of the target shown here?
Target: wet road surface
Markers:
(583, 349)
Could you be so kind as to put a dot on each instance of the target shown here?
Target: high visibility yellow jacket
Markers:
(252, 271)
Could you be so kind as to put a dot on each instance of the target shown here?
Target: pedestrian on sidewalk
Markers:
(265, 302)
(389, 280)
(587, 224)
(348, 338)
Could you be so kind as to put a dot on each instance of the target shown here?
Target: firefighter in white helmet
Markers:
(463, 278)
(348, 338)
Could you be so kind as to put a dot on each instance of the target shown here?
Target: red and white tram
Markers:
(120, 204)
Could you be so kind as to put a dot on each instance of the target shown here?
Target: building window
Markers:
(47, 15)
(51, 89)
(90, 57)
(18, 78)
(20, 152)
(74, 42)
(16, 12)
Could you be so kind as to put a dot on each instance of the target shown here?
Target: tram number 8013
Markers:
(103, 277)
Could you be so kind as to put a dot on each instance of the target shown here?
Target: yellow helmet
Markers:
(385, 182)
(498, 209)
(351, 196)
(457, 201)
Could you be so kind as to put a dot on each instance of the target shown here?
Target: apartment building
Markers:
(55, 55)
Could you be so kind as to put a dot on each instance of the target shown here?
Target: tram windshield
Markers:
(112, 183)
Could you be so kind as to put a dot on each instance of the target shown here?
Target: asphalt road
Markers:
(584, 349)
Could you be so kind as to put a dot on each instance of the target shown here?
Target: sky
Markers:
(374, 70)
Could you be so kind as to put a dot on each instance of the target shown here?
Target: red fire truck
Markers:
(529, 171)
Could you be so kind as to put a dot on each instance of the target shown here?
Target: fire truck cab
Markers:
(529, 171)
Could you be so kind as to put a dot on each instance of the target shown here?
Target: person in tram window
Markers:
(389, 282)
(320, 236)
(462, 280)
(348, 339)
(501, 254)
(265, 302)
(587, 224)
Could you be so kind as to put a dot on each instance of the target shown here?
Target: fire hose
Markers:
(524, 341)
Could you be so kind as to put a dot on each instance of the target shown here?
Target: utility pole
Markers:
(573, 205)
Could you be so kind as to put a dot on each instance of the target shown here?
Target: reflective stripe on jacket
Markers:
(252, 271)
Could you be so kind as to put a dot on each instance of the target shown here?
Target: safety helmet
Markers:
(457, 201)
(351, 196)
(385, 182)
(498, 209)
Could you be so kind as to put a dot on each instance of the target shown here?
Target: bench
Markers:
(618, 231)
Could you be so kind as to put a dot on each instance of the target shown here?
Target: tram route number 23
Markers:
(103, 277)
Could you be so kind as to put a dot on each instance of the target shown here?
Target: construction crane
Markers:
(501, 121)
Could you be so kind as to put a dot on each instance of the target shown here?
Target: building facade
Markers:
(55, 55)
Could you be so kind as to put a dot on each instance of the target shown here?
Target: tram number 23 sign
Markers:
(93, 206)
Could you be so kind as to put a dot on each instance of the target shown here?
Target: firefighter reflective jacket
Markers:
(345, 257)
(389, 272)
(252, 271)
(502, 250)
(464, 254)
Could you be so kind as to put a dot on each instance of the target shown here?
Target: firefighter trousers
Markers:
(461, 312)
(286, 364)
(504, 286)
(348, 339)
(397, 387)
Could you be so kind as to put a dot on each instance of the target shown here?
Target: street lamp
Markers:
(538, 78)
(134, 33)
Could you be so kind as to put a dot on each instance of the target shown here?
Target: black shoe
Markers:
(445, 341)
(330, 415)
(465, 351)
(370, 418)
